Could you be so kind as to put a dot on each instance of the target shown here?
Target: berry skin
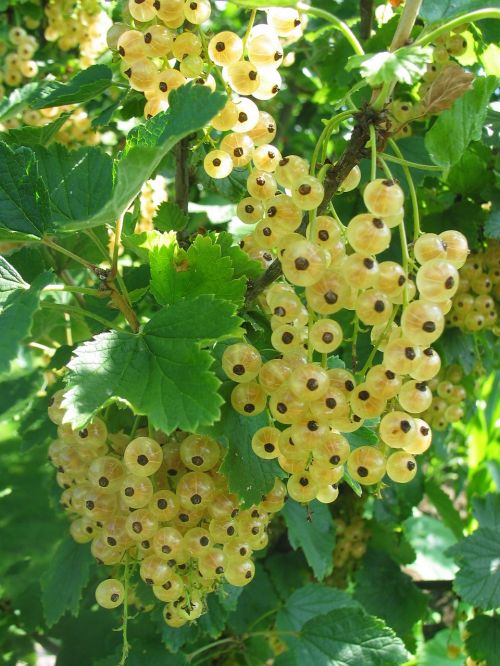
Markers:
(366, 465)
(437, 280)
(218, 164)
(199, 453)
(383, 197)
(301, 487)
(401, 467)
(307, 192)
(265, 443)
(309, 382)
(241, 362)
(239, 573)
(248, 399)
(398, 429)
(143, 456)
(325, 335)
(422, 322)
(303, 263)
(110, 593)
(225, 48)
(368, 234)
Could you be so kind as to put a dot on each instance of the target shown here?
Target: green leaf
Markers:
(381, 578)
(455, 128)
(444, 505)
(456, 347)
(84, 86)
(487, 510)
(392, 541)
(315, 534)
(478, 579)
(492, 226)
(162, 372)
(65, 579)
(10, 280)
(16, 318)
(430, 539)
(252, 4)
(433, 11)
(176, 274)
(191, 108)
(309, 602)
(406, 65)
(436, 652)
(24, 206)
(170, 217)
(361, 437)
(17, 391)
(17, 100)
(344, 637)
(483, 642)
(35, 136)
(79, 182)
(242, 264)
(254, 602)
(35, 427)
(248, 476)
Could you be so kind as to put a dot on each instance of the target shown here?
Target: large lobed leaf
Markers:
(16, 318)
(24, 205)
(177, 274)
(10, 280)
(314, 533)
(163, 372)
(310, 601)
(381, 578)
(63, 582)
(406, 65)
(455, 128)
(478, 579)
(346, 636)
(436, 11)
(483, 640)
(191, 107)
(248, 476)
(84, 86)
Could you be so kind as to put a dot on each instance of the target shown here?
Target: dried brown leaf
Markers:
(451, 83)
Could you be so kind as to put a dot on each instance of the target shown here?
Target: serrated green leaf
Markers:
(344, 637)
(35, 427)
(478, 578)
(243, 265)
(449, 515)
(406, 65)
(309, 602)
(433, 11)
(170, 217)
(455, 128)
(84, 86)
(456, 347)
(16, 318)
(16, 392)
(492, 226)
(483, 641)
(162, 372)
(315, 534)
(79, 182)
(362, 437)
(65, 579)
(24, 206)
(381, 578)
(10, 280)
(487, 510)
(392, 541)
(191, 107)
(254, 602)
(177, 274)
(436, 652)
(248, 476)
(35, 136)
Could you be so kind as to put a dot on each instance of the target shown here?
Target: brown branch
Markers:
(182, 182)
(366, 16)
(354, 152)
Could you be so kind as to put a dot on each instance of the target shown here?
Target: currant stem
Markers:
(117, 243)
(73, 309)
(125, 644)
(251, 21)
(411, 187)
(470, 17)
(406, 22)
(76, 290)
(373, 146)
(413, 165)
(336, 23)
(67, 253)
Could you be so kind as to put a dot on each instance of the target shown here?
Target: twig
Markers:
(406, 23)
(182, 182)
(366, 16)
